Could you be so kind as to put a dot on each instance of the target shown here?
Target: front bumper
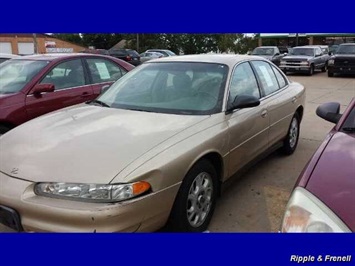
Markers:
(294, 68)
(341, 69)
(37, 213)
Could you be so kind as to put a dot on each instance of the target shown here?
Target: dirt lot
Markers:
(256, 202)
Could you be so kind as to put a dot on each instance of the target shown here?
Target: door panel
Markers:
(248, 128)
(70, 88)
(248, 135)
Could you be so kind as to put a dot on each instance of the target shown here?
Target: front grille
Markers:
(344, 62)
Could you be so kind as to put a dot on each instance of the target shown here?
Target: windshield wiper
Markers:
(138, 109)
(349, 129)
(98, 102)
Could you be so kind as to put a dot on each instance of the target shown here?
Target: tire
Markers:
(325, 68)
(3, 129)
(293, 133)
(311, 70)
(195, 202)
(330, 74)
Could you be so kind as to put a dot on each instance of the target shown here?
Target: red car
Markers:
(34, 85)
(324, 196)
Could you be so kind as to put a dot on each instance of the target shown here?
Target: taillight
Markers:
(128, 58)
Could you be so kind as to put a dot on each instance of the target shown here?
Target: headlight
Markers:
(92, 192)
(305, 63)
(331, 62)
(306, 213)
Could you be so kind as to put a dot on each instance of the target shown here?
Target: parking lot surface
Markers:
(256, 201)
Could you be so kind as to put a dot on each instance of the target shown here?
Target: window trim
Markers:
(91, 81)
(60, 62)
(230, 81)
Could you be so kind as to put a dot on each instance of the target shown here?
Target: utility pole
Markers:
(296, 39)
(137, 42)
(35, 46)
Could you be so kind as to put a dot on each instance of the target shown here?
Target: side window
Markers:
(243, 82)
(280, 79)
(267, 76)
(66, 75)
(102, 70)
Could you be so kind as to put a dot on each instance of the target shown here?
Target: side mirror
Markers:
(243, 101)
(330, 53)
(329, 111)
(277, 54)
(38, 89)
(285, 54)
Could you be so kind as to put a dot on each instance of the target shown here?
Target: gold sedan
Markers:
(153, 150)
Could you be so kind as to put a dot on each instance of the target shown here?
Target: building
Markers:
(27, 43)
(294, 39)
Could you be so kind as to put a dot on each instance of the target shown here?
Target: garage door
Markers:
(25, 48)
(5, 48)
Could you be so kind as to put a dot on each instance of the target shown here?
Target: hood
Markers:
(297, 57)
(10, 99)
(85, 144)
(333, 178)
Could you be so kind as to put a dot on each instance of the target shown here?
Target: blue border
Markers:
(172, 249)
(179, 16)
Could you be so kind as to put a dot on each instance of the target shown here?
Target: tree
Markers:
(70, 37)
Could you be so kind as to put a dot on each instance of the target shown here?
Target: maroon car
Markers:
(34, 85)
(324, 196)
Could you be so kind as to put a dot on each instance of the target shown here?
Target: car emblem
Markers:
(14, 171)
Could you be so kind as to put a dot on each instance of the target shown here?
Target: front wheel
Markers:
(311, 70)
(324, 69)
(195, 202)
(291, 140)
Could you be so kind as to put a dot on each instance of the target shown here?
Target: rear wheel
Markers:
(195, 202)
(291, 140)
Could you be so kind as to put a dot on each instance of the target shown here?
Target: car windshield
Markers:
(263, 51)
(303, 51)
(170, 87)
(346, 49)
(170, 53)
(15, 74)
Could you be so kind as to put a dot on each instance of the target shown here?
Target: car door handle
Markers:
(264, 113)
(85, 94)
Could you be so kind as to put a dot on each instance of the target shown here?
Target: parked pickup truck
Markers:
(271, 53)
(305, 59)
(343, 61)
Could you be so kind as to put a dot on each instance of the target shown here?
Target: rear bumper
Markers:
(42, 214)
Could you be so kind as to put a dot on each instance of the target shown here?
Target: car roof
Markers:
(3, 55)
(227, 59)
(55, 56)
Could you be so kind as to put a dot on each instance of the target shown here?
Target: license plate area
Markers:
(10, 218)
